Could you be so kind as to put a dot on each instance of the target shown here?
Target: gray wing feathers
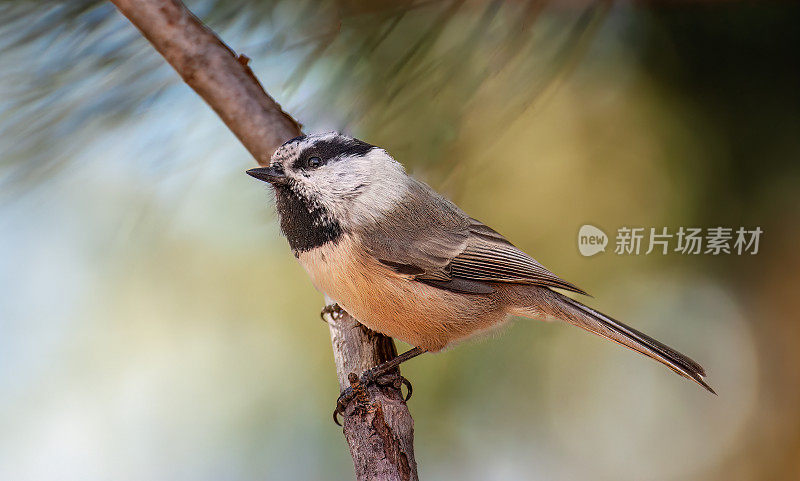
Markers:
(427, 233)
(433, 236)
(497, 260)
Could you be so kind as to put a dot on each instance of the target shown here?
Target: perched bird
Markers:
(408, 263)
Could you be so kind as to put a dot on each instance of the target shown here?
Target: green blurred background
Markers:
(155, 326)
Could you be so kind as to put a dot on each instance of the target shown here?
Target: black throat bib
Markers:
(305, 226)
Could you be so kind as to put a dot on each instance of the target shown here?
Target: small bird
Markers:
(408, 263)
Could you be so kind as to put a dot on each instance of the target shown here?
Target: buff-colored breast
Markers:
(395, 304)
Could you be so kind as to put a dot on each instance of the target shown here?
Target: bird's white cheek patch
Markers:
(376, 201)
(387, 185)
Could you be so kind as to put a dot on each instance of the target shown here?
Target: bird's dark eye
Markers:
(314, 162)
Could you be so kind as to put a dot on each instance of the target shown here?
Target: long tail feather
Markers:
(598, 323)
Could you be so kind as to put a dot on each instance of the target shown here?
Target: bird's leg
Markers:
(374, 373)
(377, 374)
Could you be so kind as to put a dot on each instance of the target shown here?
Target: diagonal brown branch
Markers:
(215, 72)
(380, 437)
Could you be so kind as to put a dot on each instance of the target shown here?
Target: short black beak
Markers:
(268, 174)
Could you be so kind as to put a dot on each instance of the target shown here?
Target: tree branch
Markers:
(215, 72)
(382, 439)
(381, 436)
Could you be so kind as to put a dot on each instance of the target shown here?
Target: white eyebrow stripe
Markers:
(311, 139)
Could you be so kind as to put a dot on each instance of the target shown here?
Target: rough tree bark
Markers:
(379, 430)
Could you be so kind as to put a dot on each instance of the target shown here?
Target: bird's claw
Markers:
(340, 407)
(405, 382)
(341, 404)
(358, 391)
(334, 310)
(396, 381)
